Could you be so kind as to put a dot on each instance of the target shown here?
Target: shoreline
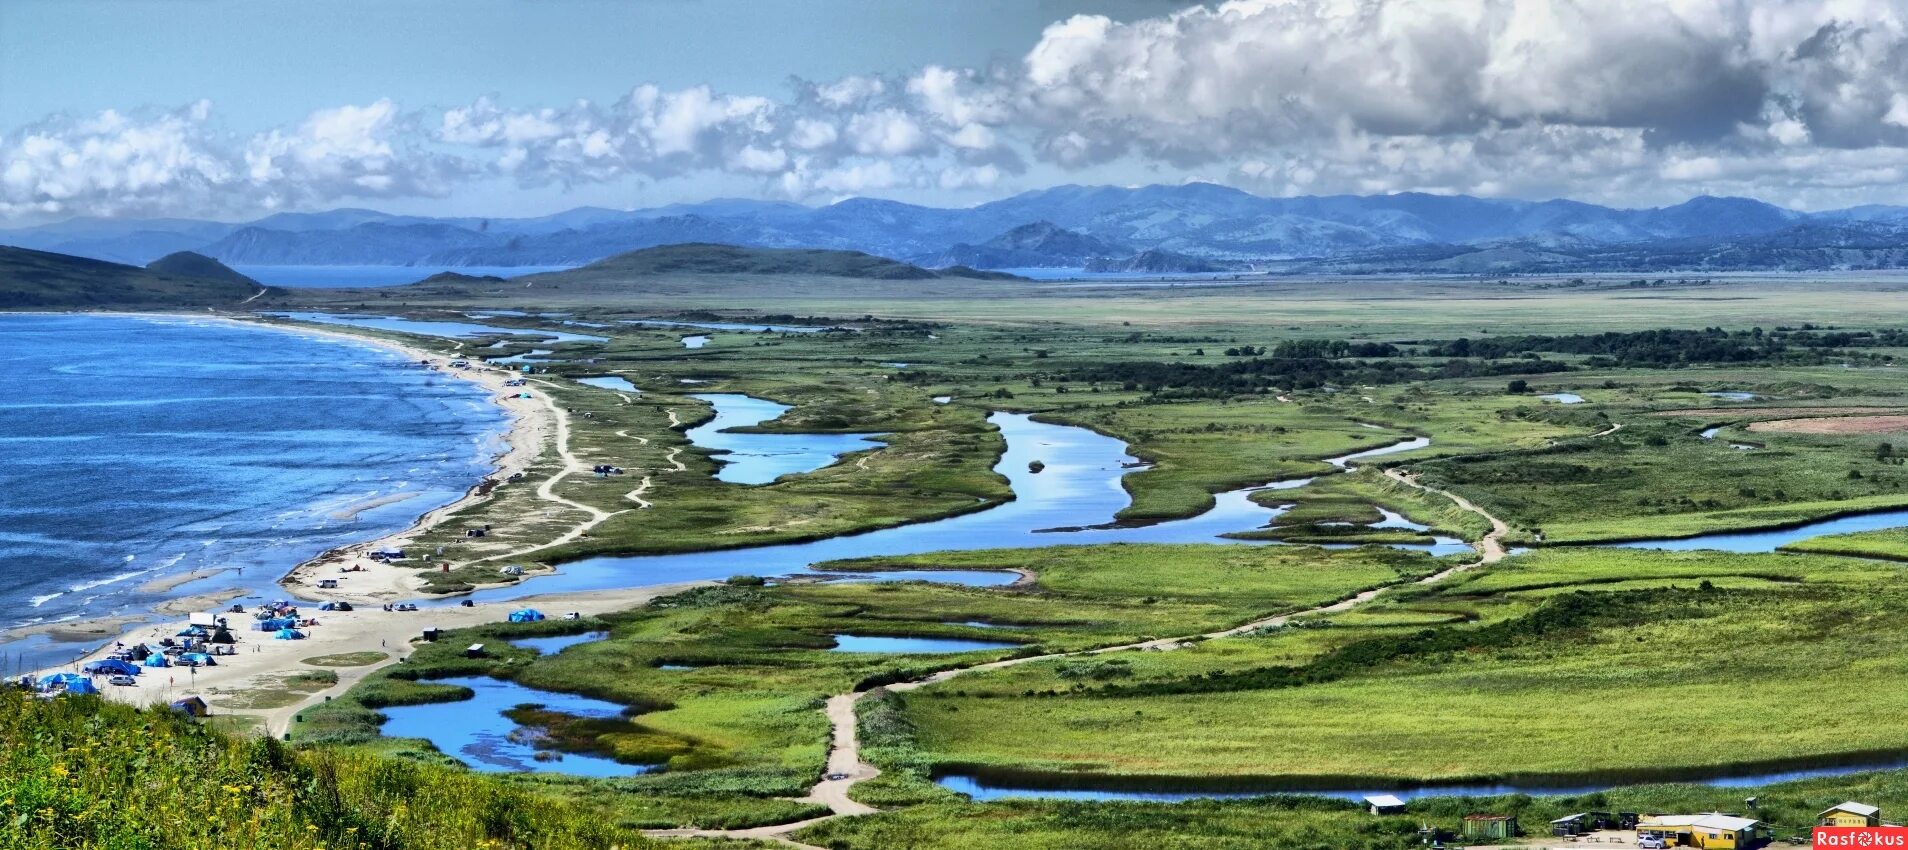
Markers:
(528, 429)
(529, 426)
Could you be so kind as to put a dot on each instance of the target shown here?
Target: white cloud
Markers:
(1625, 101)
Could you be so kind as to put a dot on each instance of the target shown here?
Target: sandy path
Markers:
(547, 490)
(636, 495)
(844, 755)
(1490, 547)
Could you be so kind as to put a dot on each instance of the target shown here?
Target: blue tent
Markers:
(156, 660)
(72, 683)
(110, 666)
(527, 615)
(198, 658)
(193, 631)
(290, 634)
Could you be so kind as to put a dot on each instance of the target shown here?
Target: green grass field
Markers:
(1601, 665)
(1673, 660)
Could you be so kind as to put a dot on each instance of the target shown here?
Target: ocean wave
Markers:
(37, 601)
(89, 585)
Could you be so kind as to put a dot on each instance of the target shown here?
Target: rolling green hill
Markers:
(189, 264)
(42, 280)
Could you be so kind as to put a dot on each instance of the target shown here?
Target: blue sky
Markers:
(230, 109)
(267, 62)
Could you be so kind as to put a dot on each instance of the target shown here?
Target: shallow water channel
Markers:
(997, 785)
(444, 329)
(759, 458)
(476, 731)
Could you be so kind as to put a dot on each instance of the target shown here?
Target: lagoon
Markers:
(727, 326)
(1772, 539)
(760, 458)
(423, 327)
(615, 383)
(476, 732)
(984, 785)
(558, 643)
(917, 645)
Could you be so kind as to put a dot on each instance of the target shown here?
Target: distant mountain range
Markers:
(699, 258)
(1195, 227)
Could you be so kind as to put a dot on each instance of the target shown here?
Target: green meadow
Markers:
(1565, 663)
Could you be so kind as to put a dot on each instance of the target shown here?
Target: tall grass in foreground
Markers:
(77, 772)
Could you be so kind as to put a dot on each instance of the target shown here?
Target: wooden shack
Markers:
(1488, 826)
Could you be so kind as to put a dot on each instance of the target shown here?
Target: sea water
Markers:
(133, 449)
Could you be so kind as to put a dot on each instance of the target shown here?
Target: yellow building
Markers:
(1713, 831)
(1850, 814)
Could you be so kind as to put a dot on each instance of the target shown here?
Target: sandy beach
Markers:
(261, 659)
(365, 583)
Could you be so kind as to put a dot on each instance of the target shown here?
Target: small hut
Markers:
(192, 707)
(1491, 827)
(1385, 804)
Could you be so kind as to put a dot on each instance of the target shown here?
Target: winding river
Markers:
(1070, 501)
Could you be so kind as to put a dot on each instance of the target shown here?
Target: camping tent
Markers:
(199, 658)
(192, 631)
(191, 705)
(110, 666)
(527, 615)
(156, 660)
(223, 635)
(290, 634)
(72, 683)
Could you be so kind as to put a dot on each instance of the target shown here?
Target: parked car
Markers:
(1650, 842)
(122, 680)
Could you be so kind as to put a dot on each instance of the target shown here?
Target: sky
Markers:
(233, 109)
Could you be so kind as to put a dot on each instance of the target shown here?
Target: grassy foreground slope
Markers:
(80, 773)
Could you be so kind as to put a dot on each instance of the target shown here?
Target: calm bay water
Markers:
(133, 449)
(331, 277)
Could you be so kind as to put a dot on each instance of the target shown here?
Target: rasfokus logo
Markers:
(1861, 836)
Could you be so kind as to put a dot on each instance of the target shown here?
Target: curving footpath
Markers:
(844, 755)
(547, 490)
